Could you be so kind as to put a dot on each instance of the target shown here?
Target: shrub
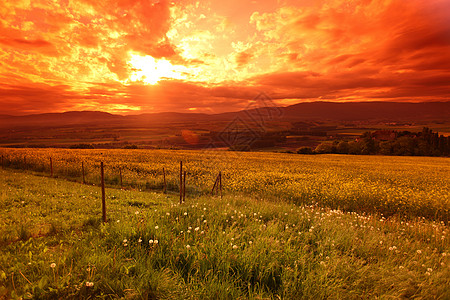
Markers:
(325, 148)
(305, 150)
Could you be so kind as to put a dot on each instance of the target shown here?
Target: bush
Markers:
(305, 150)
(342, 147)
(325, 148)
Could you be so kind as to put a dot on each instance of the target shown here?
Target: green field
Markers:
(288, 226)
(402, 186)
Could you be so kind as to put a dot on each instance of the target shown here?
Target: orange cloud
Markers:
(64, 55)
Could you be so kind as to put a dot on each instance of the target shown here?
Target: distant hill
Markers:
(58, 119)
(369, 111)
(94, 118)
(350, 111)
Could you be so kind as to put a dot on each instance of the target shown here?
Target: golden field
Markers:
(402, 186)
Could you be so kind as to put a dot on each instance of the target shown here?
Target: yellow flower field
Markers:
(403, 186)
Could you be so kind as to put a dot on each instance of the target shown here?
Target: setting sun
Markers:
(150, 70)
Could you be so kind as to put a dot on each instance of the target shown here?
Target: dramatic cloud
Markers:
(132, 56)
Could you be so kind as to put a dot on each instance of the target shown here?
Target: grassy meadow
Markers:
(403, 186)
(288, 226)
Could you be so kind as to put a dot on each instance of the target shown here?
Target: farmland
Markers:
(289, 226)
(268, 126)
(408, 186)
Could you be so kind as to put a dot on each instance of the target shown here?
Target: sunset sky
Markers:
(138, 56)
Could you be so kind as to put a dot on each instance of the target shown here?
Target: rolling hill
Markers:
(313, 111)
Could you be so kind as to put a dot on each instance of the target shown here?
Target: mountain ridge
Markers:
(320, 110)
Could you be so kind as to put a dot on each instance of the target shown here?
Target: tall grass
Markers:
(402, 186)
(238, 247)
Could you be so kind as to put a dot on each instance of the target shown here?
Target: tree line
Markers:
(402, 143)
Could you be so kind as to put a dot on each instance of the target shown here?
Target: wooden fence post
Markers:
(165, 185)
(220, 184)
(103, 193)
(82, 171)
(181, 182)
(120, 173)
(184, 186)
(214, 186)
(51, 167)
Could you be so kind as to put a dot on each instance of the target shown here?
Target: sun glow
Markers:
(150, 70)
